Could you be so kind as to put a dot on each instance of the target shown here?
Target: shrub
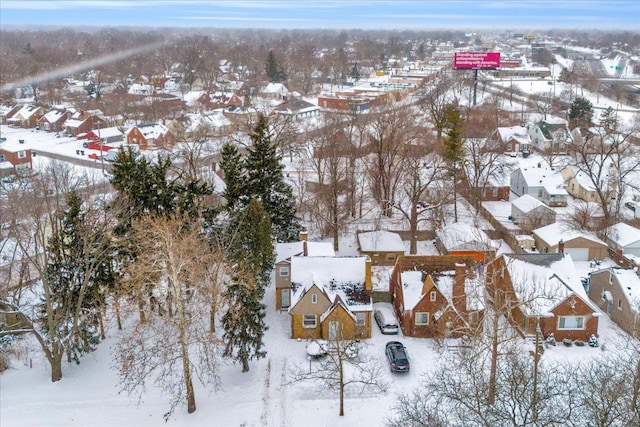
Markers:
(579, 343)
(567, 342)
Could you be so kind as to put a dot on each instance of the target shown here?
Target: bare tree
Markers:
(345, 368)
(176, 337)
(434, 99)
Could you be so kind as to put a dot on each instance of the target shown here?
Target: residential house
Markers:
(437, 296)
(82, 122)
(284, 252)
(513, 139)
(580, 185)
(617, 292)
(582, 246)
(297, 109)
(488, 183)
(7, 110)
(276, 91)
(53, 121)
(530, 213)
(543, 184)
(346, 102)
(542, 292)
(551, 135)
(110, 135)
(464, 239)
(331, 297)
(383, 247)
(14, 158)
(27, 116)
(625, 240)
(150, 136)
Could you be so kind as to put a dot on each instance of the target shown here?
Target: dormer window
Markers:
(314, 298)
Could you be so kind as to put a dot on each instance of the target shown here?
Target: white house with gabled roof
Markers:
(542, 183)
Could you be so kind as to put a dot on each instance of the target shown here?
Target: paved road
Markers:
(77, 160)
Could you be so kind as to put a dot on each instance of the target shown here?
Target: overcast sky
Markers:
(515, 15)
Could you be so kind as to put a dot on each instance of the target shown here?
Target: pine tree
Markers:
(453, 148)
(77, 281)
(253, 255)
(232, 164)
(274, 70)
(609, 120)
(580, 114)
(265, 181)
(355, 73)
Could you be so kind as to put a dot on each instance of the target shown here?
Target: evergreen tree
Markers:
(453, 148)
(609, 120)
(580, 114)
(266, 182)
(274, 70)
(253, 254)
(355, 72)
(232, 164)
(78, 277)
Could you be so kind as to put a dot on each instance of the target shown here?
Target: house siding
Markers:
(625, 317)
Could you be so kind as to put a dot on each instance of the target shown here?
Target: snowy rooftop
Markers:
(527, 203)
(557, 231)
(54, 115)
(411, 288)
(542, 281)
(380, 241)
(150, 130)
(624, 235)
(542, 177)
(314, 249)
(519, 133)
(462, 236)
(630, 284)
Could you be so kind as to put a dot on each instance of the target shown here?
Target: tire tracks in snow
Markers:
(274, 397)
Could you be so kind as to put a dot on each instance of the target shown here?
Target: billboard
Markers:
(476, 60)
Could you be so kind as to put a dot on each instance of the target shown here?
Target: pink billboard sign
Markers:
(476, 60)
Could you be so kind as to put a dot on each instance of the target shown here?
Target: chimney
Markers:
(561, 246)
(367, 274)
(304, 236)
(459, 295)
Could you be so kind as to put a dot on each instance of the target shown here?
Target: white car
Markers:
(386, 320)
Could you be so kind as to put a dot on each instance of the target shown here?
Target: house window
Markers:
(432, 296)
(473, 317)
(571, 322)
(309, 321)
(314, 298)
(47, 126)
(284, 298)
(610, 278)
(495, 192)
(619, 304)
(540, 192)
(1, 157)
(284, 271)
(391, 257)
(22, 154)
(361, 319)
(422, 318)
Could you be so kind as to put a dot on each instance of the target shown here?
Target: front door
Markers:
(333, 331)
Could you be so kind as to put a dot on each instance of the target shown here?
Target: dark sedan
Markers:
(397, 356)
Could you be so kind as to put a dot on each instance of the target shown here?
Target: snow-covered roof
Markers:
(519, 133)
(557, 231)
(624, 235)
(380, 241)
(527, 203)
(26, 111)
(542, 281)
(461, 236)
(54, 115)
(411, 288)
(73, 123)
(629, 282)
(192, 97)
(108, 132)
(550, 180)
(150, 130)
(336, 276)
(314, 249)
(274, 88)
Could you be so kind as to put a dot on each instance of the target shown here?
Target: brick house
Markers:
(617, 292)
(542, 291)
(331, 297)
(53, 121)
(383, 247)
(8, 110)
(81, 123)
(437, 295)
(27, 117)
(150, 136)
(463, 239)
(14, 159)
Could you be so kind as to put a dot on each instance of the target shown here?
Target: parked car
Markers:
(386, 320)
(397, 356)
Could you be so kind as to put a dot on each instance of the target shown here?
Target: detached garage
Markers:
(625, 238)
(580, 245)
